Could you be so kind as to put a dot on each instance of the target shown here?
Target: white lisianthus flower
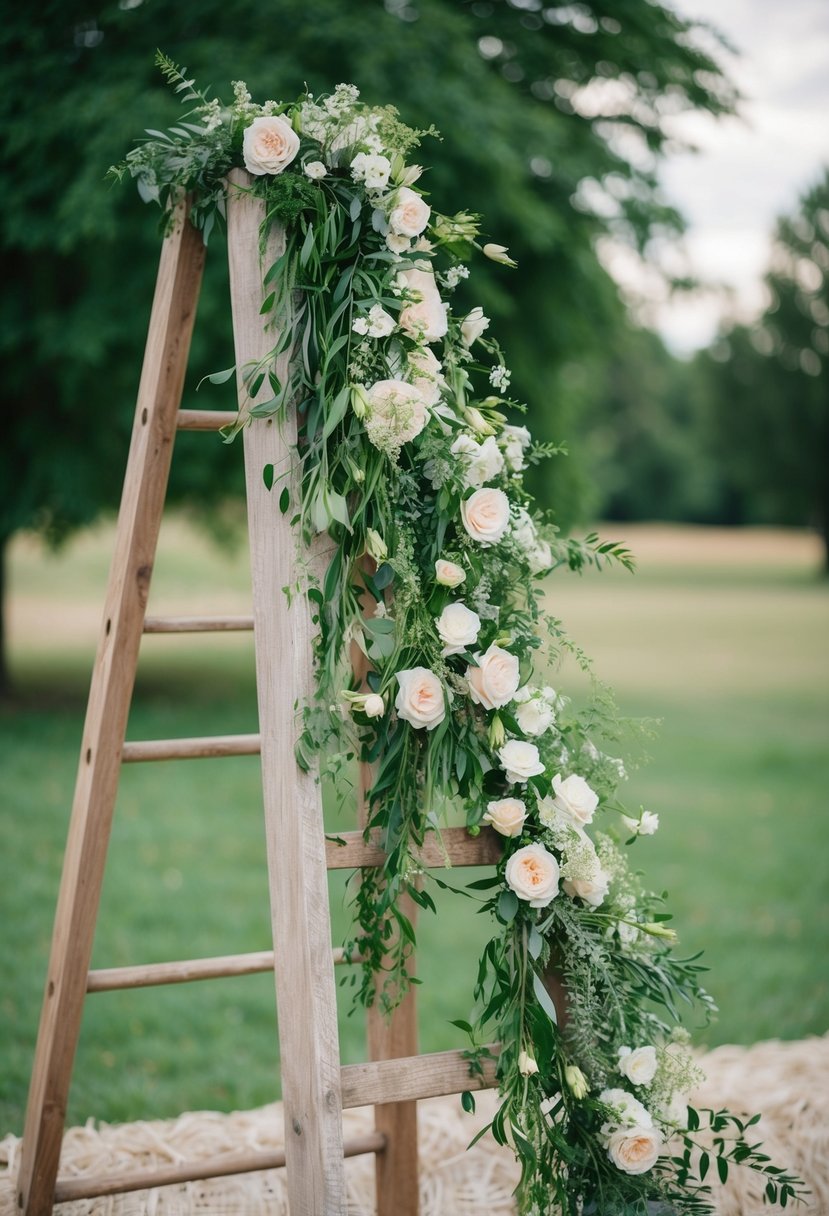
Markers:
(380, 322)
(520, 761)
(674, 1112)
(627, 932)
(527, 1065)
(396, 243)
(473, 325)
(410, 213)
(514, 442)
(575, 800)
(648, 824)
(269, 145)
(506, 816)
(369, 703)
(316, 170)
(420, 700)
(458, 628)
(494, 677)
(498, 253)
(634, 1150)
(424, 319)
(523, 530)
(485, 515)
(638, 1065)
(532, 873)
(376, 547)
(483, 461)
(540, 557)
(449, 574)
(426, 373)
(395, 414)
(535, 716)
(627, 1111)
(372, 170)
(576, 1082)
(592, 888)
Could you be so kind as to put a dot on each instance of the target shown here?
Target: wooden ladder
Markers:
(315, 1087)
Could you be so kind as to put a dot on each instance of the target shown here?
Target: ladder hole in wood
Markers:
(144, 417)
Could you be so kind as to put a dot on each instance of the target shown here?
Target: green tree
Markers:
(770, 383)
(553, 121)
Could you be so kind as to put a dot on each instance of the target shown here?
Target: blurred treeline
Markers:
(553, 122)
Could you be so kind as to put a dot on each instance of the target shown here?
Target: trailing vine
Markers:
(409, 463)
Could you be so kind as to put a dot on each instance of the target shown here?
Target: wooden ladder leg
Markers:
(295, 834)
(145, 485)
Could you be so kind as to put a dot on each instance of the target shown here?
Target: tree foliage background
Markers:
(553, 122)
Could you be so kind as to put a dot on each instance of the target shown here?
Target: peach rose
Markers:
(449, 574)
(532, 873)
(423, 319)
(494, 680)
(269, 145)
(485, 515)
(420, 699)
(634, 1150)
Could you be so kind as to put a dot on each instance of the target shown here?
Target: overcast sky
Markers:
(749, 170)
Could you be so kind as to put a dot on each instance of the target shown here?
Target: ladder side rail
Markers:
(159, 394)
(294, 829)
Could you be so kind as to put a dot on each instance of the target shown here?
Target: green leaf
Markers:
(535, 942)
(384, 577)
(307, 247)
(468, 1102)
(267, 476)
(704, 1162)
(507, 906)
(722, 1169)
(267, 303)
(221, 377)
(544, 999)
(285, 501)
(461, 1025)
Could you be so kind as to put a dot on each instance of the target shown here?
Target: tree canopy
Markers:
(553, 120)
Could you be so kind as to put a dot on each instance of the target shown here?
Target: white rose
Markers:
(506, 815)
(627, 1111)
(420, 699)
(458, 627)
(396, 412)
(269, 145)
(485, 515)
(425, 318)
(535, 716)
(315, 170)
(410, 213)
(517, 434)
(494, 678)
(449, 574)
(648, 824)
(426, 373)
(592, 889)
(514, 456)
(634, 1150)
(575, 799)
(375, 706)
(483, 461)
(372, 170)
(532, 873)
(520, 761)
(540, 557)
(527, 1064)
(639, 1065)
(473, 325)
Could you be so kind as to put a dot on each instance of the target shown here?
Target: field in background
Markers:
(721, 635)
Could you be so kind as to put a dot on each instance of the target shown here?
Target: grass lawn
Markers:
(721, 635)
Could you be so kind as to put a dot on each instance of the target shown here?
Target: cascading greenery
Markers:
(409, 464)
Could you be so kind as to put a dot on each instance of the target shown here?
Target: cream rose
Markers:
(420, 699)
(506, 815)
(634, 1150)
(494, 679)
(426, 373)
(574, 798)
(269, 145)
(410, 213)
(485, 515)
(638, 1065)
(425, 318)
(458, 627)
(316, 170)
(535, 716)
(449, 574)
(532, 873)
(591, 888)
(520, 761)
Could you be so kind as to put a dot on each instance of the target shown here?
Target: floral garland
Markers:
(409, 463)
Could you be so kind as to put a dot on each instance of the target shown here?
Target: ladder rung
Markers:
(205, 420)
(413, 1077)
(191, 749)
(197, 624)
(68, 1189)
(148, 975)
(460, 848)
